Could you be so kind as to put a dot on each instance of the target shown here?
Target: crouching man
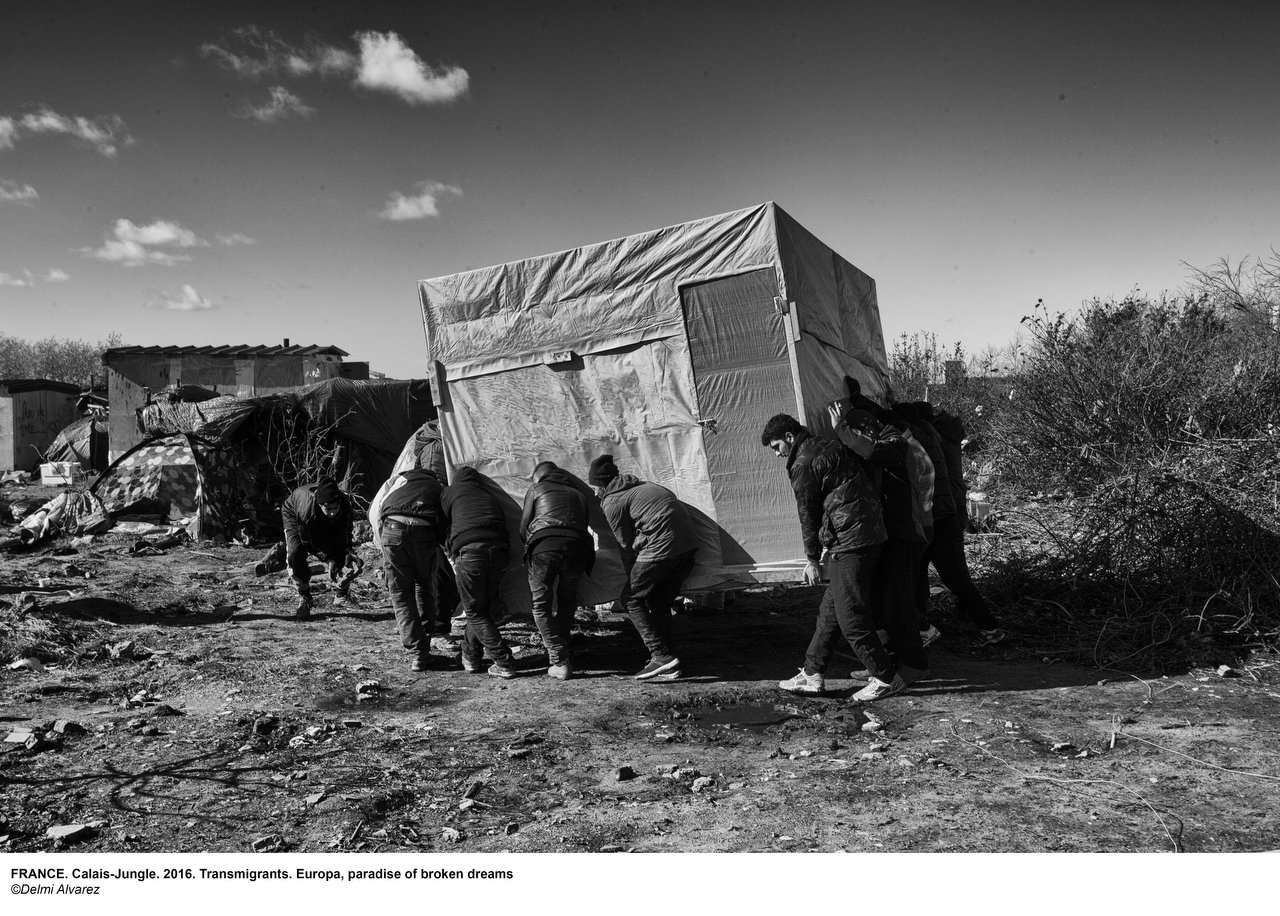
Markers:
(409, 528)
(658, 544)
(838, 500)
(477, 542)
(317, 520)
(558, 552)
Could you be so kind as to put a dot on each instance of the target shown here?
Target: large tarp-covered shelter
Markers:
(668, 349)
(84, 441)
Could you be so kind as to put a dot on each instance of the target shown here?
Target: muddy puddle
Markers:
(346, 701)
(754, 717)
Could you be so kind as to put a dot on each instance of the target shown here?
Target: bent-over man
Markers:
(558, 552)
(658, 546)
(317, 520)
(409, 529)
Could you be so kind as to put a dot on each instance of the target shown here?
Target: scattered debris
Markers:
(702, 782)
(451, 835)
(1227, 671)
(68, 727)
(264, 725)
(72, 833)
(272, 842)
(28, 664)
(315, 799)
(519, 753)
(624, 774)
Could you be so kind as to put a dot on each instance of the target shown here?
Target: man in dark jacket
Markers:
(410, 525)
(317, 519)
(477, 542)
(558, 551)
(838, 500)
(658, 545)
(943, 507)
(946, 551)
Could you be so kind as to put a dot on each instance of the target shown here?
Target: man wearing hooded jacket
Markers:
(658, 546)
(558, 551)
(477, 543)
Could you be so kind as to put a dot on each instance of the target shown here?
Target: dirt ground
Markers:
(230, 727)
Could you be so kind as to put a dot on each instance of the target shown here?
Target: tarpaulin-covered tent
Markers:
(180, 479)
(84, 441)
(668, 349)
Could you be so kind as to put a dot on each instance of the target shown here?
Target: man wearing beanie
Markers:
(658, 545)
(317, 519)
(477, 542)
(558, 552)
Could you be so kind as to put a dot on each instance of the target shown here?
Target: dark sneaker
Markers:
(910, 675)
(930, 636)
(505, 671)
(803, 682)
(991, 637)
(421, 662)
(877, 689)
(659, 664)
(303, 610)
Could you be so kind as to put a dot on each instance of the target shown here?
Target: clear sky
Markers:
(216, 173)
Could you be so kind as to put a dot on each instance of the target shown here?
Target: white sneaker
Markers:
(930, 636)
(560, 672)
(802, 683)
(877, 689)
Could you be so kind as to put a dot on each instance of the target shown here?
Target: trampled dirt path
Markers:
(997, 751)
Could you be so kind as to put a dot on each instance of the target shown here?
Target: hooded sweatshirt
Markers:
(472, 513)
(648, 520)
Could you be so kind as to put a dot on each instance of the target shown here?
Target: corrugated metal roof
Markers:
(227, 351)
(17, 385)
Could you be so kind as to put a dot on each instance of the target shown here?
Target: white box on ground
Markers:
(60, 473)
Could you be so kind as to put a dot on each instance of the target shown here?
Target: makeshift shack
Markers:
(668, 349)
(32, 413)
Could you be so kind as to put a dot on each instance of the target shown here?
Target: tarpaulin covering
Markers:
(84, 441)
(669, 350)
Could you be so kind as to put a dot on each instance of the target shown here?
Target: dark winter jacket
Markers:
(648, 520)
(951, 431)
(554, 507)
(837, 496)
(472, 513)
(944, 500)
(306, 527)
(906, 483)
(415, 494)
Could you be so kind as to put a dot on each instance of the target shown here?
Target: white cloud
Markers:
(255, 53)
(106, 134)
(18, 193)
(383, 62)
(55, 275)
(424, 203)
(9, 280)
(282, 104)
(389, 65)
(236, 238)
(134, 245)
(188, 300)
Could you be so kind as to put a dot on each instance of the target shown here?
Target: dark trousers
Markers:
(553, 580)
(847, 609)
(409, 555)
(296, 549)
(946, 553)
(651, 587)
(893, 593)
(478, 569)
(445, 594)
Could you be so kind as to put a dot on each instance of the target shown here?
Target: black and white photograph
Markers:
(554, 454)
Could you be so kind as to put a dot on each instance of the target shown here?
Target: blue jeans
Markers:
(554, 576)
(479, 568)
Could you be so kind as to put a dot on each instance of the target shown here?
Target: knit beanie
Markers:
(327, 492)
(602, 471)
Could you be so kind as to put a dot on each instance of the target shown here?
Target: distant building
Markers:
(135, 373)
(32, 413)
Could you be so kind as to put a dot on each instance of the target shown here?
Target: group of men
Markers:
(877, 504)
(417, 518)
